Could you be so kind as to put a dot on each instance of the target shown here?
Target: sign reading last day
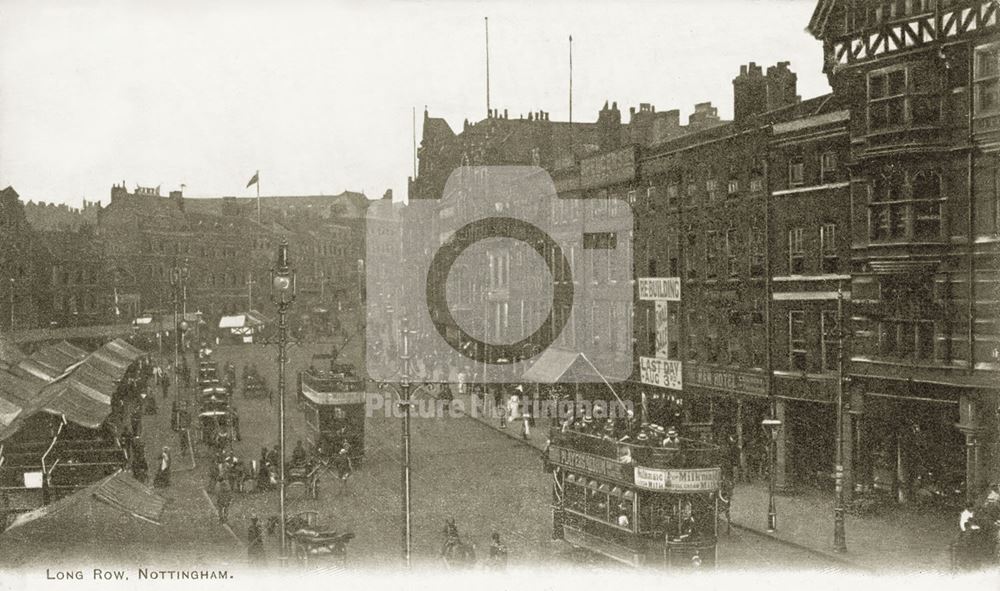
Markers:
(665, 373)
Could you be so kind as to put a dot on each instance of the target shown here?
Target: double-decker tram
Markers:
(637, 493)
(333, 401)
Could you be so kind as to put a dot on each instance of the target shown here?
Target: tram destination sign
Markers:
(585, 462)
(679, 481)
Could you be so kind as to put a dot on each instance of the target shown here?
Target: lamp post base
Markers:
(772, 516)
(839, 535)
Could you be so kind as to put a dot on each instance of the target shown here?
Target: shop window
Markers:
(987, 80)
(796, 252)
(757, 184)
(797, 352)
(828, 248)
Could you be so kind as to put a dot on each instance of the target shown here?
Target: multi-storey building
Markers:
(921, 79)
(228, 252)
(22, 281)
(593, 166)
(81, 292)
(743, 218)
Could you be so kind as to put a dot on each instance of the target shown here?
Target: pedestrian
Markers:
(498, 553)
(165, 385)
(223, 498)
(343, 464)
(255, 543)
(526, 426)
(163, 476)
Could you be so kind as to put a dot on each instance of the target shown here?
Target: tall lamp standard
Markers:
(178, 277)
(839, 533)
(405, 403)
(282, 295)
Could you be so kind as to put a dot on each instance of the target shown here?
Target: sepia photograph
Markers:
(503, 294)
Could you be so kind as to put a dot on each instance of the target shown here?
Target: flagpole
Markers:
(258, 195)
(487, 21)
(571, 81)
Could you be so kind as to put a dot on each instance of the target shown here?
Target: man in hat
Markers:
(672, 439)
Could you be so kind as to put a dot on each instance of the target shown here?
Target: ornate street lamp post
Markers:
(178, 277)
(405, 403)
(282, 295)
(839, 535)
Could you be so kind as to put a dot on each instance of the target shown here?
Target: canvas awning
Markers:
(119, 491)
(237, 321)
(554, 364)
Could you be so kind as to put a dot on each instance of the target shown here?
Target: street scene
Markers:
(751, 334)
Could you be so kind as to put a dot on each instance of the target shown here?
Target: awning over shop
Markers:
(237, 321)
(555, 364)
(251, 319)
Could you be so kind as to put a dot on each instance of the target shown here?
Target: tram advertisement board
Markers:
(678, 480)
(596, 465)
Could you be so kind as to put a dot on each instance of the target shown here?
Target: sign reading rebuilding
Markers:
(680, 481)
(589, 463)
(660, 288)
(665, 373)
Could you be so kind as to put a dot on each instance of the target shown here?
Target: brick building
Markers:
(22, 279)
(921, 80)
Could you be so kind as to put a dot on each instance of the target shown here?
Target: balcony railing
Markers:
(688, 453)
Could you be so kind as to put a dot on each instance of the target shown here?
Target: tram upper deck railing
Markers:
(686, 453)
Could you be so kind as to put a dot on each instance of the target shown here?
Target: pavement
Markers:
(898, 540)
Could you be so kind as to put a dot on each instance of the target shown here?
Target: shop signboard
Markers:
(729, 380)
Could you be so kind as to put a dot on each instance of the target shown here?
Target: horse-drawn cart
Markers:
(310, 542)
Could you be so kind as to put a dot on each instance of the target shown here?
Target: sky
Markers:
(319, 96)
